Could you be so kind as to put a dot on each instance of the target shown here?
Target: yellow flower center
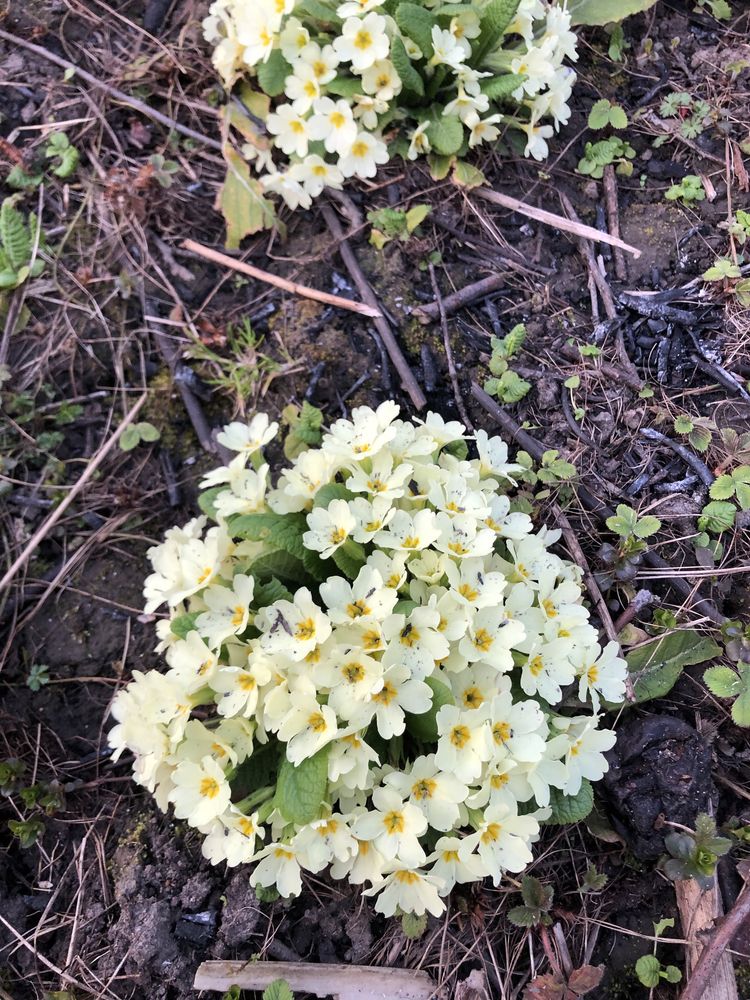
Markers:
(468, 592)
(246, 682)
(406, 878)
(472, 697)
(218, 749)
(458, 548)
(450, 856)
(592, 674)
(337, 119)
(394, 822)
(319, 67)
(205, 574)
(386, 694)
(460, 736)
(424, 788)
(409, 636)
(317, 722)
(296, 126)
(247, 827)
(483, 640)
(238, 616)
(576, 748)
(209, 788)
(375, 485)
(281, 853)
(498, 781)
(320, 170)
(501, 732)
(362, 40)
(305, 629)
(338, 535)
(491, 834)
(549, 608)
(536, 665)
(411, 541)
(357, 609)
(353, 672)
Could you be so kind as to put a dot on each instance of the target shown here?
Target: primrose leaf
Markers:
(568, 809)
(656, 666)
(301, 790)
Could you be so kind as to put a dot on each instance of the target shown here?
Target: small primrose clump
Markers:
(363, 661)
(342, 87)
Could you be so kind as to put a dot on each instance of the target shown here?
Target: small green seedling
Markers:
(725, 682)
(694, 853)
(689, 189)
(604, 113)
(63, 154)
(507, 385)
(18, 236)
(649, 969)
(593, 880)
(163, 170)
(723, 269)
(26, 831)
(393, 224)
(733, 484)
(135, 433)
(692, 111)
(738, 227)
(598, 155)
(632, 529)
(413, 926)
(698, 430)
(304, 428)
(537, 902)
(38, 677)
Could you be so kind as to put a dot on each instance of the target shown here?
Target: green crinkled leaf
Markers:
(314, 566)
(344, 86)
(349, 559)
(717, 516)
(282, 531)
(272, 73)
(15, 235)
(410, 78)
(568, 809)
(500, 87)
(271, 591)
(466, 175)
(301, 790)
(278, 990)
(416, 23)
(207, 500)
(606, 11)
(332, 491)
(722, 488)
(446, 134)
(182, 624)
(439, 166)
(523, 916)
(279, 564)
(647, 968)
(722, 681)
(656, 666)
(318, 11)
(496, 18)
(599, 114)
(424, 726)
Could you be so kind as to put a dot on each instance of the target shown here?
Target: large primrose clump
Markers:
(343, 87)
(363, 664)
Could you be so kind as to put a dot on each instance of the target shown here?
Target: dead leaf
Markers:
(139, 135)
(551, 986)
(241, 201)
(475, 987)
(585, 979)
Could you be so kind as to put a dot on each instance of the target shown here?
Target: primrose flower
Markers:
(601, 673)
(502, 841)
(394, 826)
(250, 437)
(294, 628)
(437, 793)
(290, 128)
(200, 792)
(228, 610)
(454, 863)
(365, 598)
(419, 141)
(279, 866)
(463, 742)
(231, 838)
(362, 41)
(409, 890)
(329, 527)
(356, 8)
(447, 49)
(293, 39)
(381, 79)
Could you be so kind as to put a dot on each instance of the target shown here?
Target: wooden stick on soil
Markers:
(699, 909)
(613, 219)
(720, 940)
(551, 219)
(395, 353)
(273, 279)
(44, 529)
(345, 982)
(452, 303)
(449, 352)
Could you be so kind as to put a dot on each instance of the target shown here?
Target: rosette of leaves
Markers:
(18, 236)
(694, 854)
(507, 385)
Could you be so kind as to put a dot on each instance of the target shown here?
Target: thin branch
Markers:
(273, 279)
(719, 942)
(449, 352)
(452, 303)
(395, 353)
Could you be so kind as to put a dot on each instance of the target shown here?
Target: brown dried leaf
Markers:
(551, 986)
(585, 979)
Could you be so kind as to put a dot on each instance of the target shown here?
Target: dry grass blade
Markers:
(552, 219)
(58, 512)
(273, 279)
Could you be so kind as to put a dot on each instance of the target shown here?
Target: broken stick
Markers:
(273, 279)
(343, 982)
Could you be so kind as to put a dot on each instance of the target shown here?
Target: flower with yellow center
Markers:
(200, 792)
(394, 826)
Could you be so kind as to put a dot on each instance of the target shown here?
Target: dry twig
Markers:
(274, 279)
(452, 303)
(552, 219)
(613, 219)
(717, 945)
(449, 352)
